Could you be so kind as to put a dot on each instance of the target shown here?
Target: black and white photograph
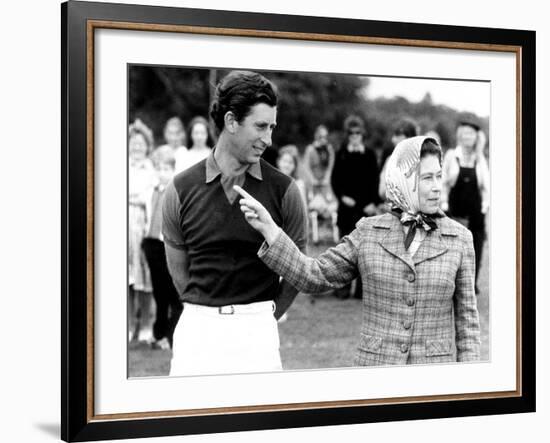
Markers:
(293, 221)
(283, 220)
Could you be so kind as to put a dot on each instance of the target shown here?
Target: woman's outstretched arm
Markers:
(333, 269)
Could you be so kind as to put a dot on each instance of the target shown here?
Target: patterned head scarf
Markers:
(402, 176)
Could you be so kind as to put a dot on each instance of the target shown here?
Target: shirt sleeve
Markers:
(294, 216)
(171, 230)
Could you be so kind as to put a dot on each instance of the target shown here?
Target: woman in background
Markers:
(288, 162)
(466, 183)
(141, 178)
(318, 164)
(175, 137)
(201, 141)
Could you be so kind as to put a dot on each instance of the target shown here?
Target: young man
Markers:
(231, 299)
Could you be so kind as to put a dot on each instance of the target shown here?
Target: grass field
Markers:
(320, 331)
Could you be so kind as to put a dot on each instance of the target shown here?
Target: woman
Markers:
(141, 178)
(466, 183)
(288, 163)
(201, 141)
(318, 162)
(417, 267)
(174, 136)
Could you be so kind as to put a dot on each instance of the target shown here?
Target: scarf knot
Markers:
(415, 221)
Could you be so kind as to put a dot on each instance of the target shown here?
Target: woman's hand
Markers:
(257, 216)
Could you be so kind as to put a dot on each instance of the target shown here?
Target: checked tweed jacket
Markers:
(419, 309)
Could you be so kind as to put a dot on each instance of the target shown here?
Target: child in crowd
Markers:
(141, 177)
(169, 307)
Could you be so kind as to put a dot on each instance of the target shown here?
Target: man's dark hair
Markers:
(407, 127)
(430, 147)
(238, 92)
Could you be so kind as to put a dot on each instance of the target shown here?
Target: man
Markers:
(231, 299)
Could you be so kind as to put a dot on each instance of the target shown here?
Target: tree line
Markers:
(156, 93)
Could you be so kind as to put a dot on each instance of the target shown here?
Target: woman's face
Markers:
(321, 136)
(137, 147)
(466, 136)
(285, 163)
(174, 135)
(199, 134)
(429, 184)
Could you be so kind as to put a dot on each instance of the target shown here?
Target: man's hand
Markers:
(348, 201)
(257, 216)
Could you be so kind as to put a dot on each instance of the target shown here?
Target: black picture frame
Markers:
(79, 19)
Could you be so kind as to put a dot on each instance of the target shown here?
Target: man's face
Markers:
(429, 184)
(253, 135)
(466, 136)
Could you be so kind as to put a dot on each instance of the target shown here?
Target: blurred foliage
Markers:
(305, 101)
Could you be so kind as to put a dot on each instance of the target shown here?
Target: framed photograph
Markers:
(151, 124)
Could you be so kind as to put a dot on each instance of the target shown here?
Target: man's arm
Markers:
(174, 244)
(295, 225)
(178, 266)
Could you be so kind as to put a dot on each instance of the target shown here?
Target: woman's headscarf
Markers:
(402, 176)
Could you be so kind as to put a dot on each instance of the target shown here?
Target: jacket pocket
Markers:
(368, 343)
(436, 348)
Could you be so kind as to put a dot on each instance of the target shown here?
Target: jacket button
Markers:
(404, 348)
(410, 277)
(407, 324)
(410, 302)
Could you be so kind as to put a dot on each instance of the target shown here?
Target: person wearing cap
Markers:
(417, 267)
(465, 195)
(231, 300)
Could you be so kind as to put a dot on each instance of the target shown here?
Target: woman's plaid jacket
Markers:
(419, 309)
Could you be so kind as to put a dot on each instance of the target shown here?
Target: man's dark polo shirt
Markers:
(201, 215)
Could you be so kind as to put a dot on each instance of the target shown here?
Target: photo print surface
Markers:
(399, 261)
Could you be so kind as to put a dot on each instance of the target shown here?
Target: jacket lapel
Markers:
(393, 241)
(434, 245)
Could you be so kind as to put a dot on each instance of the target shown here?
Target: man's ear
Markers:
(230, 122)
